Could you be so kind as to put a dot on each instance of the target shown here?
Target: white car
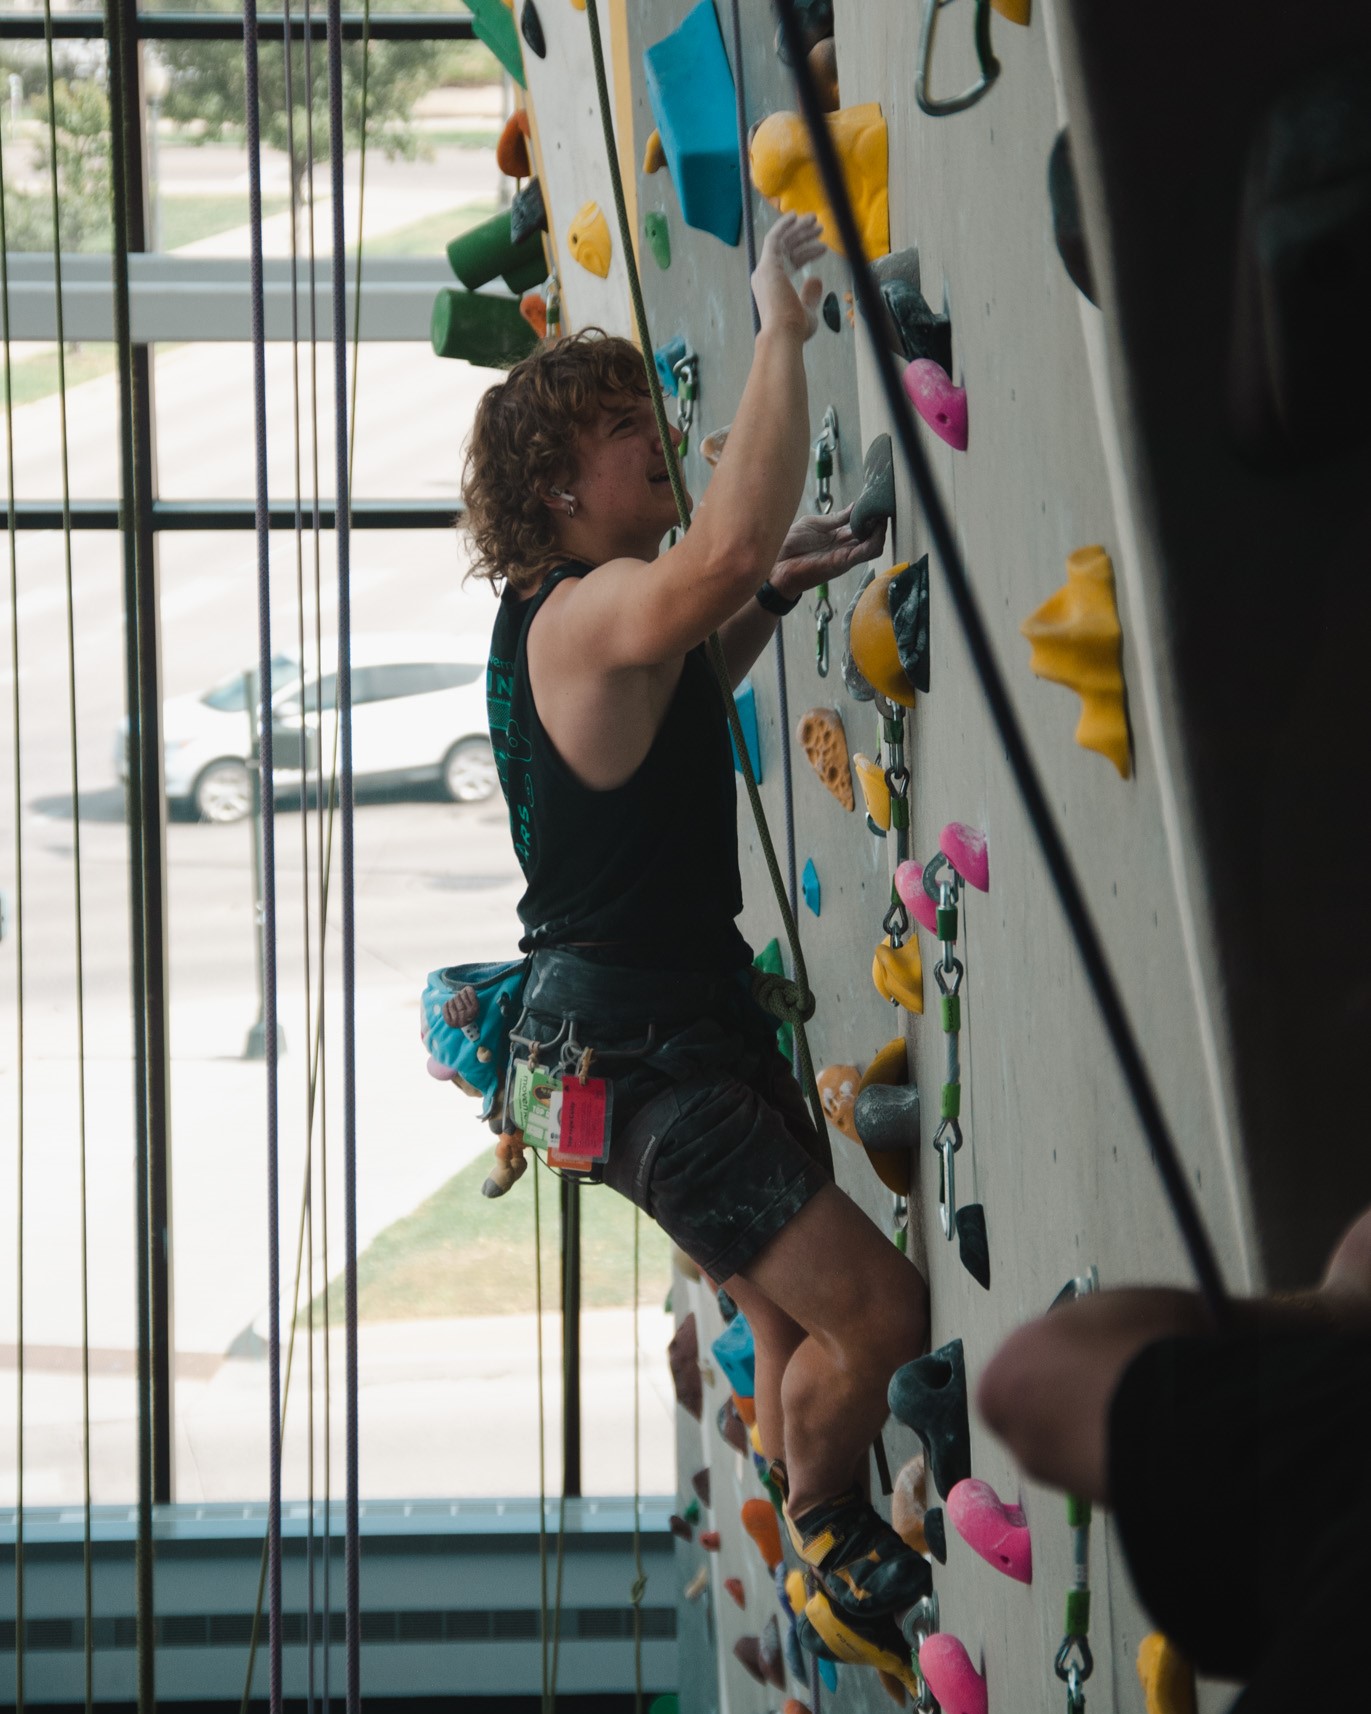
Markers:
(418, 715)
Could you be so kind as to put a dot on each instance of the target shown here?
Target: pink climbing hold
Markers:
(949, 1674)
(941, 405)
(909, 884)
(965, 849)
(999, 1533)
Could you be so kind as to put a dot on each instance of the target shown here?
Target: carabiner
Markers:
(824, 449)
(950, 1130)
(687, 373)
(990, 66)
(823, 618)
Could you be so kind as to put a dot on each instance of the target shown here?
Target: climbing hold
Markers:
(748, 1652)
(795, 1592)
(907, 593)
(929, 1396)
(588, 240)
(684, 1264)
(815, 18)
(736, 1354)
(711, 1540)
(692, 1512)
(683, 1355)
(887, 1118)
(909, 884)
(533, 308)
(731, 1425)
(511, 152)
(1167, 1677)
(658, 235)
(794, 1705)
(712, 446)
(770, 1658)
(680, 1527)
(999, 1533)
(480, 328)
(912, 328)
(697, 1585)
(875, 791)
(850, 1646)
(833, 314)
(527, 212)
(887, 1069)
(809, 886)
(727, 1308)
(891, 1065)
(477, 255)
(823, 740)
(746, 1407)
(690, 90)
(759, 1520)
(531, 29)
(1077, 642)
(973, 1245)
(877, 498)
(700, 1483)
(898, 973)
(854, 683)
(935, 1529)
(654, 155)
(1013, 11)
(965, 849)
(745, 701)
(828, 1676)
(493, 22)
(941, 405)
(667, 359)
(823, 67)
(909, 1503)
(734, 1586)
(1068, 229)
(786, 174)
(950, 1676)
(874, 649)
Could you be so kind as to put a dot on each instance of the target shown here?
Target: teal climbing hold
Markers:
(735, 1353)
(665, 358)
(770, 962)
(690, 88)
(494, 25)
(658, 235)
(828, 1672)
(746, 701)
(809, 883)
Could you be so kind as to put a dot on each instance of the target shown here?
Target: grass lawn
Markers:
(459, 1253)
(473, 137)
(186, 219)
(429, 236)
(36, 377)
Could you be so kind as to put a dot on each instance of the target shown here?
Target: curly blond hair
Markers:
(522, 445)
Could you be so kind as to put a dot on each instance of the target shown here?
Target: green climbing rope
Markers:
(792, 1002)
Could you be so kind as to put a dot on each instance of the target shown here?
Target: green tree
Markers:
(81, 112)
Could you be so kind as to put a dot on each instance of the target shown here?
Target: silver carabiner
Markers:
(823, 618)
(947, 1139)
(687, 373)
(922, 1621)
(990, 66)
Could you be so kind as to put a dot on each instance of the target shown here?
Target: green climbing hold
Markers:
(658, 238)
(480, 328)
(477, 255)
(494, 25)
(769, 961)
(664, 1705)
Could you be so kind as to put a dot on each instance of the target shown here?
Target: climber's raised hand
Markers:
(783, 301)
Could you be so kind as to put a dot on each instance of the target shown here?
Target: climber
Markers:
(613, 750)
(1235, 1464)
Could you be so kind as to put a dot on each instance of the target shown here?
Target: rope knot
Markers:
(789, 1001)
(637, 1591)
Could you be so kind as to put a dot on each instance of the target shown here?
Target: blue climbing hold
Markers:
(735, 1353)
(665, 358)
(829, 1674)
(746, 703)
(809, 882)
(690, 88)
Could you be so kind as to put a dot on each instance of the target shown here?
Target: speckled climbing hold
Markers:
(998, 1532)
(907, 593)
(486, 250)
(973, 1242)
(1077, 642)
(823, 67)
(875, 791)
(697, 1585)
(821, 737)
(588, 241)
(935, 1530)
(786, 174)
(929, 1396)
(511, 152)
(1166, 1676)
(654, 155)
(909, 1503)
(1014, 11)
(877, 498)
(658, 235)
(1068, 229)
(832, 312)
(683, 1356)
(965, 848)
(479, 327)
(493, 22)
(887, 1118)
(533, 308)
(527, 212)
(727, 1308)
(735, 1352)
(759, 1520)
(700, 1483)
(734, 1587)
(690, 90)
(898, 973)
(684, 1264)
(711, 1540)
(874, 649)
(940, 403)
(953, 1680)
(912, 327)
(531, 29)
(712, 446)
(730, 1425)
(853, 681)
(809, 886)
(745, 701)
(909, 884)
(680, 1527)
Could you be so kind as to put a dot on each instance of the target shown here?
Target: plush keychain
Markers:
(466, 1014)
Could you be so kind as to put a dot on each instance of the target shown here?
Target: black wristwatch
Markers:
(774, 602)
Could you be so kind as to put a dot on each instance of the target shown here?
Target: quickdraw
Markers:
(1074, 1662)
(943, 885)
(824, 449)
(897, 780)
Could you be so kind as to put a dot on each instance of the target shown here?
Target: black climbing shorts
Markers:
(1240, 1482)
(710, 1134)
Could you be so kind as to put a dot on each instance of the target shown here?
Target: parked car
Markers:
(418, 715)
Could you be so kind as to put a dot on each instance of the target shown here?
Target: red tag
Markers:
(585, 1119)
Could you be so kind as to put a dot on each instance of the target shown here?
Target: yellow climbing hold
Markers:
(654, 155)
(898, 973)
(872, 641)
(785, 172)
(890, 1065)
(1077, 642)
(588, 240)
(1167, 1678)
(875, 792)
(578, 5)
(1016, 11)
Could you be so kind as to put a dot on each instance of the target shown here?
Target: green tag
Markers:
(536, 1104)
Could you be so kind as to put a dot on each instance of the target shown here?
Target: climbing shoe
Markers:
(867, 1572)
(879, 1642)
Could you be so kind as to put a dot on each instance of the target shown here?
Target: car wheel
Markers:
(223, 792)
(469, 774)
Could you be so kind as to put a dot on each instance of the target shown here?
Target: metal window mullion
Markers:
(228, 27)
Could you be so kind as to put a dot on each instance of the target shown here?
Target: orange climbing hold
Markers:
(533, 308)
(898, 973)
(795, 1706)
(785, 172)
(1167, 1677)
(838, 1093)
(1077, 642)
(654, 155)
(909, 1503)
(1015, 11)
(872, 641)
(823, 740)
(759, 1520)
(747, 1409)
(734, 1586)
(511, 152)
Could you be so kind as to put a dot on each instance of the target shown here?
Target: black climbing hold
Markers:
(1067, 230)
(700, 1483)
(727, 1308)
(877, 498)
(527, 212)
(833, 312)
(972, 1242)
(887, 1116)
(815, 18)
(854, 680)
(929, 1396)
(913, 328)
(935, 1533)
(531, 29)
(908, 598)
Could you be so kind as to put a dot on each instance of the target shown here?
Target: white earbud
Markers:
(561, 494)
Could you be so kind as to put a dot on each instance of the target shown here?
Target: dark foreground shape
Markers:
(531, 29)
(1067, 231)
(973, 1243)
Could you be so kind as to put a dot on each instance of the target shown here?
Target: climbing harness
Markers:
(686, 371)
(824, 449)
(990, 66)
(943, 885)
(897, 780)
(1074, 1662)
(1057, 860)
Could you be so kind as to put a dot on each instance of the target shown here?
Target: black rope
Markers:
(1021, 765)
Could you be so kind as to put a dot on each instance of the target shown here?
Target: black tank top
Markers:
(649, 868)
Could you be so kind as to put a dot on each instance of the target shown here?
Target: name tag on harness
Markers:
(566, 1117)
(584, 1120)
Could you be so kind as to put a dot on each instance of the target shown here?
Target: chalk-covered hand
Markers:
(818, 549)
(792, 243)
